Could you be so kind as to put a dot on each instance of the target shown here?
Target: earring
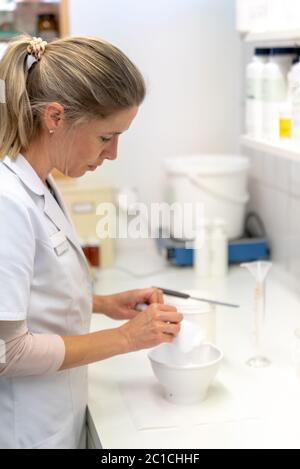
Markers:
(51, 132)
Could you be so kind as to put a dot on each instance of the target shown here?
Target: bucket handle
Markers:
(235, 200)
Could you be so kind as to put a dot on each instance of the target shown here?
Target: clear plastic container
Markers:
(202, 314)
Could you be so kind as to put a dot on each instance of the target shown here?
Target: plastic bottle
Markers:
(275, 89)
(202, 249)
(285, 121)
(294, 86)
(219, 249)
(254, 93)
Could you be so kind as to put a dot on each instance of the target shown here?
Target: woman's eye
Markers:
(106, 139)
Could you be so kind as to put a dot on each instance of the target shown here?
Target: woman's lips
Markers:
(92, 167)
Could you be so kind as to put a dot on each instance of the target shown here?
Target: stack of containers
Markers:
(294, 87)
(259, 16)
(273, 95)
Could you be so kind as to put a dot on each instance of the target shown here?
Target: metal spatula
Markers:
(186, 297)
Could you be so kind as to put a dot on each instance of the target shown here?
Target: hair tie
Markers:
(36, 49)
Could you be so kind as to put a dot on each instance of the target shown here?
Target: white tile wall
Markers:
(275, 195)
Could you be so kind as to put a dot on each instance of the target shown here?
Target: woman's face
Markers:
(86, 146)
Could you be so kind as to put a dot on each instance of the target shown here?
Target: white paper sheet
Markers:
(149, 409)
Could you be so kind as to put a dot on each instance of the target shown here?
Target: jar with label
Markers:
(94, 252)
(275, 89)
(47, 27)
(285, 121)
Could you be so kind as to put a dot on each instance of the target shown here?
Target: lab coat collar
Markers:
(58, 214)
(23, 169)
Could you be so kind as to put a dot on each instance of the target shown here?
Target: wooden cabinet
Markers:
(17, 16)
(82, 202)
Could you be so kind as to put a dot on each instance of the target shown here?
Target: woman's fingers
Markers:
(170, 329)
(165, 313)
(159, 323)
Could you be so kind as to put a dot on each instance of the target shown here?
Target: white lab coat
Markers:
(44, 278)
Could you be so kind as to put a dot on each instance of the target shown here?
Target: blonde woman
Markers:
(63, 105)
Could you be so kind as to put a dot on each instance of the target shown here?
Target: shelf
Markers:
(284, 149)
(7, 36)
(275, 37)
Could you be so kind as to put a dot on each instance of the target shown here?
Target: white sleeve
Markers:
(17, 251)
(25, 354)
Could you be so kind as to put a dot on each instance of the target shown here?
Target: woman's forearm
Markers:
(90, 348)
(99, 302)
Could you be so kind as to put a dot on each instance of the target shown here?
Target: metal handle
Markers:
(173, 293)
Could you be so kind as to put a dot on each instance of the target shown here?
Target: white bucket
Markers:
(219, 182)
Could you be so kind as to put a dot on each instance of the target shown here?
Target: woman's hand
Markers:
(122, 305)
(156, 325)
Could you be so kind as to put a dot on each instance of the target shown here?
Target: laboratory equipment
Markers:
(201, 315)
(187, 296)
(216, 183)
(190, 383)
(259, 270)
(219, 249)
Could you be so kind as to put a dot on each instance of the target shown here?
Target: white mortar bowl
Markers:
(189, 383)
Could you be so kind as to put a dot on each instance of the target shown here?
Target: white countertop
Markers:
(246, 408)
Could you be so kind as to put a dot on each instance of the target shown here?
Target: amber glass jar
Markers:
(47, 27)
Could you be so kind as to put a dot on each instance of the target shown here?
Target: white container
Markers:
(294, 85)
(259, 15)
(201, 314)
(243, 19)
(217, 182)
(284, 15)
(252, 15)
(202, 250)
(185, 385)
(254, 93)
(292, 8)
(219, 249)
(275, 90)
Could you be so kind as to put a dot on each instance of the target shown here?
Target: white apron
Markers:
(46, 411)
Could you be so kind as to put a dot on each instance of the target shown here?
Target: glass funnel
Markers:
(259, 271)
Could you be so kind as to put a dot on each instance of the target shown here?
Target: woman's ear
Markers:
(53, 116)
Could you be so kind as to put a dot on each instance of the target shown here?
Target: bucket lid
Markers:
(207, 164)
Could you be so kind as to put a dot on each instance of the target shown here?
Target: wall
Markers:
(189, 54)
(275, 195)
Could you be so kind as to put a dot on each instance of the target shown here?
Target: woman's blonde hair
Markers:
(89, 77)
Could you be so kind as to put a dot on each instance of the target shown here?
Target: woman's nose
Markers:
(111, 151)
